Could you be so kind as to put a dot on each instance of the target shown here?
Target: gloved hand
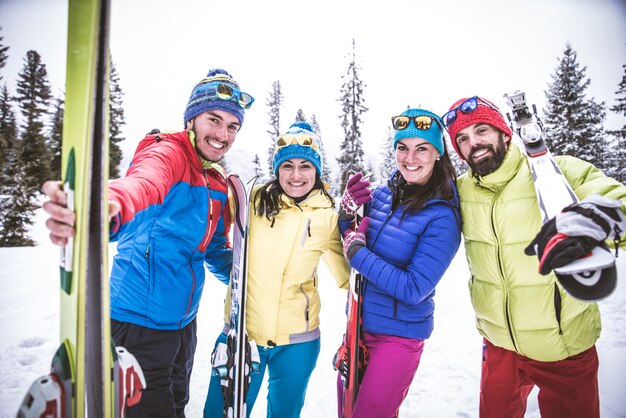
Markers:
(576, 231)
(357, 193)
(353, 241)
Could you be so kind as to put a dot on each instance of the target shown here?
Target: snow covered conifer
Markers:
(573, 122)
(353, 107)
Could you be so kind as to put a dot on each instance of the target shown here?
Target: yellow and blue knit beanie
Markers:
(298, 133)
(204, 96)
(434, 134)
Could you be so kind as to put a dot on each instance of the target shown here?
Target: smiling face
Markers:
(415, 158)
(297, 177)
(215, 132)
(483, 146)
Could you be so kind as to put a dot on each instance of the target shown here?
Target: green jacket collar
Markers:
(513, 159)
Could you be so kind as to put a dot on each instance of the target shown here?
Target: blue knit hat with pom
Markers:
(203, 96)
(434, 134)
(311, 153)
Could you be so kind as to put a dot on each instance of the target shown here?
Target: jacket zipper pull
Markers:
(307, 232)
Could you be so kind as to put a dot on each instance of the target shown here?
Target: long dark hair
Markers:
(440, 185)
(267, 199)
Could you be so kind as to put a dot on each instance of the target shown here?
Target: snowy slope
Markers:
(446, 384)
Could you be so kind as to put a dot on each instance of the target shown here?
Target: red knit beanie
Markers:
(482, 114)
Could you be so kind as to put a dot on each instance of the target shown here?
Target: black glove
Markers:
(576, 231)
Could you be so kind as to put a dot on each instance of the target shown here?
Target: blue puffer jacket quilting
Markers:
(404, 260)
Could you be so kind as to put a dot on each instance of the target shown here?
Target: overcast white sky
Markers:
(413, 53)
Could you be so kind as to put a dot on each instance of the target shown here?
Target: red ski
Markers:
(351, 358)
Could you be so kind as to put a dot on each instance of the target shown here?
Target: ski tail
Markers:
(592, 277)
(352, 356)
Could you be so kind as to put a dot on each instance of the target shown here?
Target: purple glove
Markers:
(353, 241)
(357, 193)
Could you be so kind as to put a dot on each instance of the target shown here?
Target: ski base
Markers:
(235, 360)
(352, 356)
(594, 276)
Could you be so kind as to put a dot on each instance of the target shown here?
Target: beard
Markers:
(489, 164)
(199, 151)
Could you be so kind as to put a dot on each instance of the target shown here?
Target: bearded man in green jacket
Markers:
(535, 333)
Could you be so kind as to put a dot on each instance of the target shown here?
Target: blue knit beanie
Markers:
(434, 134)
(203, 96)
(311, 153)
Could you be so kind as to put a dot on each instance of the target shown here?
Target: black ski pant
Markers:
(166, 359)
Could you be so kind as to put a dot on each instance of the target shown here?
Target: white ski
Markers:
(553, 194)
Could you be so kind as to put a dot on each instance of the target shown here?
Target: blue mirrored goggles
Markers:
(467, 106)
(224, 91)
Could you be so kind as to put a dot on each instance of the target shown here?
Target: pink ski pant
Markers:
(392, 364)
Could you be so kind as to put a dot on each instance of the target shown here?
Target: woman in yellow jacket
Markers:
(292, 224)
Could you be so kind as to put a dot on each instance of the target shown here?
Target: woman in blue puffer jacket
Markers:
(402, 247)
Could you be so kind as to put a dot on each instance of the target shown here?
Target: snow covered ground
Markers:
(446, 384)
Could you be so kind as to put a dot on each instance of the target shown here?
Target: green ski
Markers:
(89, 376)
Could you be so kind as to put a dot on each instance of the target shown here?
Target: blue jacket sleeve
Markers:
(219, 255)
(433, 254)
(343, 227)
(219, 260)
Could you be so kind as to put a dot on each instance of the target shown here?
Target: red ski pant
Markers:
(392, 365)
(567, 388)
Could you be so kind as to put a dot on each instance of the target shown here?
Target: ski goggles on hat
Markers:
(467, 106)
(423, 122)
(291, 139)
(224, 91)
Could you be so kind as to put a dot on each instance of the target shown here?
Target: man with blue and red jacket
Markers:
(170, 216)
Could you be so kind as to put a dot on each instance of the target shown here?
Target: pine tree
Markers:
(33, 94)
(373, 173)
(55, 140)
(460, 166)
(258, 169)
(300, 117)
(8, 135)
(16, 209)
(6, 101)
(388, 155)
(352, 106)
(274, 102)
(116, 122)
(225, 164)
(3, 53)
(15, 205)
(617, 161)
(326, 174)
(573, 123)
(6, 117)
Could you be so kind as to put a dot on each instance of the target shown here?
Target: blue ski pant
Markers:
(166, 359)
(392, 365)
(289, 369)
